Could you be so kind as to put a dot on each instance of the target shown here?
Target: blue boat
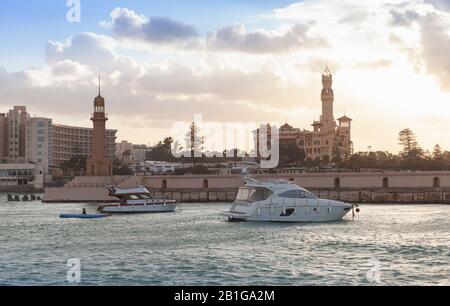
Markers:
(82, 216)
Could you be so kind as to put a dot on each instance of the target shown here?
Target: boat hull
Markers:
(81, 216)
(291, 214)
(136, 209)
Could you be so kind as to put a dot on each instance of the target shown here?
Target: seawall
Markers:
(396, 187)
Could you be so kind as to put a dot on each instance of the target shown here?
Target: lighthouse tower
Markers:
(99, 164)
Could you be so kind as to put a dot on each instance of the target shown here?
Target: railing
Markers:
(87, 185)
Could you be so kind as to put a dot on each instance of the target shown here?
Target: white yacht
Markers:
(136, 200)
(283, 201)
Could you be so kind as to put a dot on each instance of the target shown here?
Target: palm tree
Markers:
(126, 156)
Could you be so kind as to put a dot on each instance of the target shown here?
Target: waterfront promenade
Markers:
(375, 187)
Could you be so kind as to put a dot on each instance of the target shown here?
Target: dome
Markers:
(286, 126)
(345, 118)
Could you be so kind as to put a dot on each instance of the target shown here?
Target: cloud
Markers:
(66, 71)
(85, 48)
(93, 50)
(126, 24)
(372, 65)
(260, 87)
(440, 4)
(404, 18)
(238, 38)
(435, 40)
(315, 65)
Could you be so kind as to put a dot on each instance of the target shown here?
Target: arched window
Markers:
(337, 183)
(385, 182)
(436, 182)
(205, 184)
(164, 184)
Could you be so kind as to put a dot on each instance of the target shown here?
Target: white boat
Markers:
(283, 201)
(137, 200)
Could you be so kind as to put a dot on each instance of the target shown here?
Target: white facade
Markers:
(136, 153)
(139, 152)
(39, 142)
(21, 175)
(17, 119)
(157, 167)
(123, 147)
(3, 138)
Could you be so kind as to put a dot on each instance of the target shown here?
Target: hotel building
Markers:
(25, 139)
(137, 153)
(3, 139)
(71, 141)
(38, 148)
(17, 120)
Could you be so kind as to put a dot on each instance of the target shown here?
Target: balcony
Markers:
(99, 116)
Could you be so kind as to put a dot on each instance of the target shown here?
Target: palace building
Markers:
(328, 138)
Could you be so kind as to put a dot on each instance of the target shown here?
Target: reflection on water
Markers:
(398, 244)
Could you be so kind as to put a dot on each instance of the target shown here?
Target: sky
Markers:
(233, 61)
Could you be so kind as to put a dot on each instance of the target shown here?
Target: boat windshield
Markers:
(144, 196)
(247, 194)
(139, 197)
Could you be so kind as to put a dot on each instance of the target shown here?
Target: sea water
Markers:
(385, 245)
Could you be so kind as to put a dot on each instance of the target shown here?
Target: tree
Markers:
(336, 156)
(412, 154)
(437, 153)
(194, 142)
(408, 140)
(126, 156)
(162, 151)
(76, 165)
(291, 154)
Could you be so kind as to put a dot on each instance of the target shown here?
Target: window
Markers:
(205, 184)
(259, 194)
(297, 194)
(164, 184)
(243, 194)
(385, 182)
(293, 194)
(253, 194)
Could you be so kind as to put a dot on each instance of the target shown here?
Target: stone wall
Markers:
(401, 187)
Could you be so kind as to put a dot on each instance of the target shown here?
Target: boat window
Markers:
(293, 194)
(243, 194)
(297, 194)
(144, 196)
(309, 195)
(259, 194)
(253, 194)
(134, 197)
